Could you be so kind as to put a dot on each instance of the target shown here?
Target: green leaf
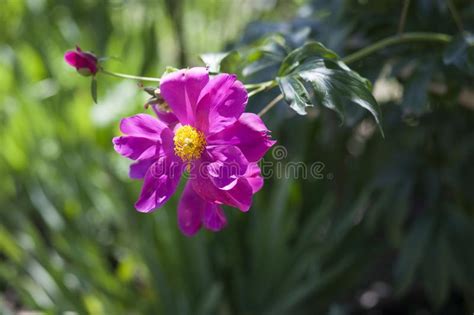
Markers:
(412, 252)
(435, 270)
(415, 95)
(213, 60)
(460, 52)
(460, 229)
(309, 50)
(295, 93)
(398, 212)
(313, 75)
(169, 70)
(223, 62)
(211, 299)
(94, 89)
(267, 53)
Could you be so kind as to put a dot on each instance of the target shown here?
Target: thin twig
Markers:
(256, 91)
(258, 85)
(403, 16)
(263, 87)
(129, 76)
(270, 105)
(397, 39)
(456, 16)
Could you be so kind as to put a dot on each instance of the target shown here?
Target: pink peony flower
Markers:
(84, 62)
(164, 113)
(210, 137)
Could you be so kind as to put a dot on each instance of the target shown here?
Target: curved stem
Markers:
(260, 87)
(256, 91)
(398, 39)
(270, 105)
(128, 76)
(257, 85)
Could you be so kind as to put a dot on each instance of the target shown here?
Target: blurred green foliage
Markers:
(388, 229)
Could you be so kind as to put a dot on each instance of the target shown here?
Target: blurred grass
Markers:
(69, 236)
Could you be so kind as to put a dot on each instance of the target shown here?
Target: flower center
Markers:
(188, 143)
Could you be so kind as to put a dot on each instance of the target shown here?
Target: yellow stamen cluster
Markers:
(189, 143)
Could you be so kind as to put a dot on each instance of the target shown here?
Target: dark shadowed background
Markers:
(387, 228)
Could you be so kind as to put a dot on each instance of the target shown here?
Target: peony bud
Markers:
(85, 63)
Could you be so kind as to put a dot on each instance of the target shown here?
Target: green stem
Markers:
(260, 87)
(128, 76)
(270, 105)
(257, 85)
(398, 39)
(456, 16)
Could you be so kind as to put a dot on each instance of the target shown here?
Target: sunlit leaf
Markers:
(312, 75)
(213, 60)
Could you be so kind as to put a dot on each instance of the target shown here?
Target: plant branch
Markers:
(362, 53)
(260, 87)
(397, 39)
(257, 85)
(456, 16)
(129, 76)
(403, 16)
(270, 105)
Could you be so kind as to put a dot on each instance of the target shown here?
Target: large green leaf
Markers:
(265, 54)
(309, 50)
(313, 75)
(258, 58)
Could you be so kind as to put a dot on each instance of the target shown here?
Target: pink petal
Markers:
(254, 177)
(136, 147)
(189, 211)
(238, 195)
(221, 103)
(160, 183)
(213, 217)
(193, 211)
(81, 60)
(249, 134)
(139, 168)
(142, 125)
(70, 58)
(168, 118)
(226, 165)
(181, 91)
(145, 137)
